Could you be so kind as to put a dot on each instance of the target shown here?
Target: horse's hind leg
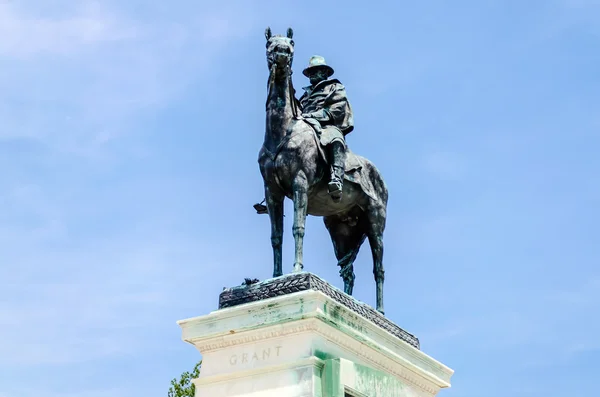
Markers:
(347, 239)
(376, 216)
(376, 243)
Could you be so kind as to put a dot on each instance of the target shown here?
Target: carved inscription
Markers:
(256, 356)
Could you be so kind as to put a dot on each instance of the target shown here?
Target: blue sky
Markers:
(128, 144)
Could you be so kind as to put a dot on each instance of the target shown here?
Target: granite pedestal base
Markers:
(312, 340)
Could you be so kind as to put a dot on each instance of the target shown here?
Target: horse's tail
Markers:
(377, 180)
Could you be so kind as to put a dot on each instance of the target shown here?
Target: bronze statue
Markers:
(304, 157)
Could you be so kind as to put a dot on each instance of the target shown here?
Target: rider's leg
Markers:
(337, 159)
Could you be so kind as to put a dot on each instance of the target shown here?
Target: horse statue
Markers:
(293, 165)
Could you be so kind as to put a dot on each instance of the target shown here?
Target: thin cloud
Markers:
(585, 295)
(95, 70)
(32, 392)
(89, 306)
(28, 36)
(444, 165)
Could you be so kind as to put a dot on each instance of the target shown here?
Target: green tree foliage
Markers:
(184, 386)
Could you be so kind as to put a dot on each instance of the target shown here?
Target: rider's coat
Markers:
(328, 104)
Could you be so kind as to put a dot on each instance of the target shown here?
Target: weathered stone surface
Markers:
(305, 344)
(296, 282)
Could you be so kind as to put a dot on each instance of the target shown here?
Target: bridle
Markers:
(271, 84)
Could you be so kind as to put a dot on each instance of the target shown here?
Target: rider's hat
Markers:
(317, 62)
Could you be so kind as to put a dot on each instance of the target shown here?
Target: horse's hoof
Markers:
(298, 267)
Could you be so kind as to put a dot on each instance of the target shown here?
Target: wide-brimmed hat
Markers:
(317, 62)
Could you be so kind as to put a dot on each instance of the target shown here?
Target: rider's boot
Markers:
(338, 160)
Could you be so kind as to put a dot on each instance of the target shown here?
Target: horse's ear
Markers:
(268, 33)
(290, 33)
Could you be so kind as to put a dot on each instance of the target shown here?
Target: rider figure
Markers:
(325, 106)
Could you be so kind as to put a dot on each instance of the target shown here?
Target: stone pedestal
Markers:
(297, 336)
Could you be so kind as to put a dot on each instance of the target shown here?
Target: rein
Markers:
(292, 98)
(271, 83)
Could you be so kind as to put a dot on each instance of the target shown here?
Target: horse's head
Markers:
(280, 50)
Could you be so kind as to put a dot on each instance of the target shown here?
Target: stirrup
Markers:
(261, 208)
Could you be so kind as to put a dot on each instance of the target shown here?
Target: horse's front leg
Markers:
(300, 189)
(275, 208)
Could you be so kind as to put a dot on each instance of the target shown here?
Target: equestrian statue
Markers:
(305, 157)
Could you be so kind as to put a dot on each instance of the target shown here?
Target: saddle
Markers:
(354, 168)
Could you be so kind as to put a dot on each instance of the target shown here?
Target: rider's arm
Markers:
(337, 105)
(331, 104)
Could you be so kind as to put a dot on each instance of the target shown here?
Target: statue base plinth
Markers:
(297, 336)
